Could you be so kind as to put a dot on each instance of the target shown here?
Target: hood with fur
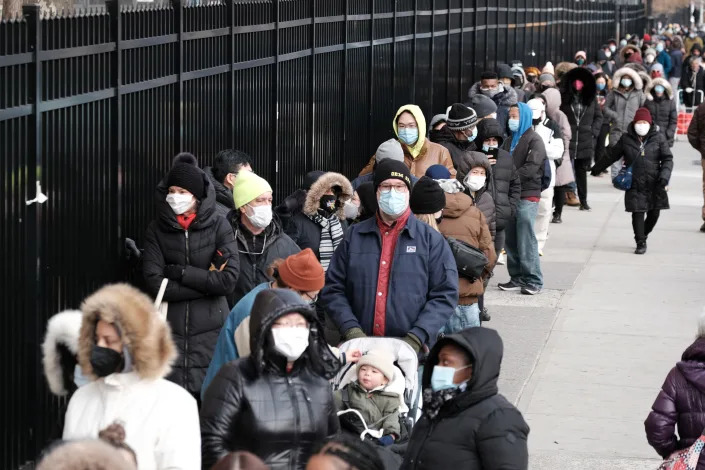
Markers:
(562, 68)
(629, 47)
(553, 102)
(659, 81)
(589, 87)
(327, 182)
(637, 82)
(641, 70)
(506, 98)
(146, 336)
(59, 350)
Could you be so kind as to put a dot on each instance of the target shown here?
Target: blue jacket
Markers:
(423, 283)
(225, 348)
(664, 58)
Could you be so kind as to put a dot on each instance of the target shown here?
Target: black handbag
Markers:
(470, 260)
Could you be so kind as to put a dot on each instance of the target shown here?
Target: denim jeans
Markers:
(522, 248)
(465, 316)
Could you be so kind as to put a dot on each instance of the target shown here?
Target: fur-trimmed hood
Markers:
(326, 182)
(589, 87)
(146, 336)
(630, 73)
(506, 98)
(659, 81)
(59, 350)
(562, 68)
(628, 47)
(643, 73)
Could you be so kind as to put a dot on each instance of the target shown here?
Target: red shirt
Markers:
(390, 235)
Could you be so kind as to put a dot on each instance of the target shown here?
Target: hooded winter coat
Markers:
(197, 304)
(456, 147)
(463, 221)
(160, 418)
(423, 153)
(696, 130)
(528, 155)
(606, 66)
(655, 164)
(254, 404)
(621, 105)
(478, 429)
(694, 80)
(681, 403)
(663, 108)
(504, 178)
(257, 252)
(305, 232)
(635, 55)
(224, 201)
(504, 100)
(583, 113)
(564, 173)
(483, 199)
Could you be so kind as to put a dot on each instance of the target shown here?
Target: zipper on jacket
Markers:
(186, 338)
(293, 457)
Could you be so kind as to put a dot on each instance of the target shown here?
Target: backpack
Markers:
(546, 176)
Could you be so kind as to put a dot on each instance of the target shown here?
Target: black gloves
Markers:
(663, 182)
(174, 272)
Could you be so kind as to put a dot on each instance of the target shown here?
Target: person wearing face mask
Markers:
(503, 97)
(692, 40)
(693, 82)
(580, 58)
(605, 65)
(629, 54)
(623, 100)
(695, 51)
(528, 152)
(465, 419)
(226, 167)
(258, 233)
(476, 179)
(579, 104)
(277, 402)
(662, 106)
(649, 57)
(504, 181)
(125, 349)
(194, 248)
(646, 151)
(676, 55)
(507, 78)
(393, 275)
(321, 223)
(565, 176)
(459, 133)
(664, 58)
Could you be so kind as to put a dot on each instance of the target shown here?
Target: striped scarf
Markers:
(331, 236)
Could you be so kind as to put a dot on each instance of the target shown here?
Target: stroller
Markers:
(405, 383)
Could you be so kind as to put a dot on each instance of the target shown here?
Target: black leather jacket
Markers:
(254, 405)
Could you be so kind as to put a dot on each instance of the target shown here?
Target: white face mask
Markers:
(642, 129)
(350, 209)
(180, 203)
(475, 182)
(261, 216)
(290, 342)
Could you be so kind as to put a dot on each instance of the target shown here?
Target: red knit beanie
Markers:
(643, 114)
(303, 272)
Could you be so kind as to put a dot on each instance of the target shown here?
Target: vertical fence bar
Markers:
(179, 93)
(448, 99)
(371, 82)
(414, 50)
(312, 91)
(113, 9)
(231, 74)
(432, 51)
(394, 53)
(275, 95)
(345, 81)
(462, 50)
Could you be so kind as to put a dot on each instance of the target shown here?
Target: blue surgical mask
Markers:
(472, 136)
(409, 136)
(393, 203)
(486, 148)
(659, 47)
(513, 125)
(601, 86)
(626, 82)
(659, 89)
(442, 377)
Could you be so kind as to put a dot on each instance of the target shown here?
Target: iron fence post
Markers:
(394, 54)
(231, 74)
(346, 41)
(275, 93)
(179, 92)
(312, 92)
(462, 50)
(413, 51)
(370, 82)
(113, 9)
(448, 98)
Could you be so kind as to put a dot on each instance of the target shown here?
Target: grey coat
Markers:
(621, 106)
(564, 173)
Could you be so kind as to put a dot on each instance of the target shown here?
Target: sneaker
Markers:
(502, 259)
(509, 286)
(556, 219)
(485, 315)
(702, 227)
(585, 207)
(530, 290)
(640, 248)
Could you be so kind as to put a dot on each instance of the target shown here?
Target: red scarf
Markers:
(186, 220)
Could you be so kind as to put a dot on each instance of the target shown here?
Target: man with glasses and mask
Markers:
(259, 236)
(503, 96)
(393, 275)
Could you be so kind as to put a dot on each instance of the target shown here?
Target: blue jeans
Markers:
(464, 316)
(522, 248)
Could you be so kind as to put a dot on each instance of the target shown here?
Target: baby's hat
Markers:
(381, 360)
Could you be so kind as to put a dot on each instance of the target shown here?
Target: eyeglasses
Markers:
(398, 188)
(283, 324)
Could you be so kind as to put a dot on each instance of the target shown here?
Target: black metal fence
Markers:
(94, 106)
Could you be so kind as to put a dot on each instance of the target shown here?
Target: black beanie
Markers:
(368, 200)
(427, 197)
(188, 177)
(460, 117)
(392, 169)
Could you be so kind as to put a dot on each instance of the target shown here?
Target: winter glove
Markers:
(413, 341)
(663, 182)
(385, 441)
(174, 272)
(131, 250)
(220, 260)
(353, 333)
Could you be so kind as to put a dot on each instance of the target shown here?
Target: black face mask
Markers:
(439, 219)
(536, 121)
(105, 361)
(329, 203)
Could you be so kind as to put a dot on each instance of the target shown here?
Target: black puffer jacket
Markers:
(478, 429)
(663, 109)
(529, 156)
(456, 147)
(583, 113)
(253, 404)
(505, 185)
(197, 304)
(485, 197)
(646, 192)
(257, 252)
(224, 201)
(696, 81)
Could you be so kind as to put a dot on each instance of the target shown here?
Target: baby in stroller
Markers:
(368, 395)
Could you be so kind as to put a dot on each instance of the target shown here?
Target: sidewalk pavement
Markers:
(585, 359)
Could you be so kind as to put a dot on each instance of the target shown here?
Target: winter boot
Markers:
(556, 219)
(640, 248)
(571, 199)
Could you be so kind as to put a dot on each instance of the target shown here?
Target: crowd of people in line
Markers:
(262, 309)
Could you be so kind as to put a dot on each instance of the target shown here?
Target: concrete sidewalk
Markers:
(585, 359)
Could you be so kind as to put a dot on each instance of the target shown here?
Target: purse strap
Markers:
(160, 294)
